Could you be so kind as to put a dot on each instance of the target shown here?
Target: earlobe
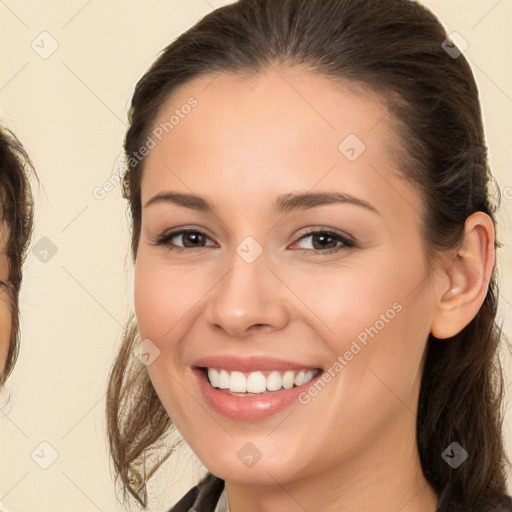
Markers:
(468, 278)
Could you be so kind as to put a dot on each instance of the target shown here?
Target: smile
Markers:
(267, 392)
(258, 382)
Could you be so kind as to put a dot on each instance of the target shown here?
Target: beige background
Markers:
(69, 109)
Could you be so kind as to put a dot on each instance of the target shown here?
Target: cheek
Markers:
(375, 317)
(162, 295)
(168, 299)
(162, 299)
(343, 301)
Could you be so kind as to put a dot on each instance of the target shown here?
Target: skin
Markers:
(5, 305)
(249, 140)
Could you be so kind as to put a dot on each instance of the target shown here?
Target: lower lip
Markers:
(251, 407)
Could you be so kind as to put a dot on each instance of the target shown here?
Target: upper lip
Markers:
(250, 364)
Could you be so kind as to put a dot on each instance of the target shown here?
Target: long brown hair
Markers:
(16, 213)
(397, 49)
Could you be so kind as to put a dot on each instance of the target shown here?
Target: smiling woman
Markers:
(315, 278)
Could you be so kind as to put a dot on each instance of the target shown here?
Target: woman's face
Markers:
(266, 289)
(5, 301)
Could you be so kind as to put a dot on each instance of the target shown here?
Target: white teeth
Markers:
(237, 382)
(309, 375)
(213, 376)
(223, 379)
(274, 381)
(299, 378)
(256, 382)
(288, 379)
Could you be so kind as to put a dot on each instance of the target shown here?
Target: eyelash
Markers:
(165, 240)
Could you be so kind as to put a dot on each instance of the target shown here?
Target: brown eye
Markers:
(327, 242)
(191, 239)
(324, 241)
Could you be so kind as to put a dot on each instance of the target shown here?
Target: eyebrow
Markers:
(283, 204)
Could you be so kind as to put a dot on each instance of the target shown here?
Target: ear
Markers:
(466, 278)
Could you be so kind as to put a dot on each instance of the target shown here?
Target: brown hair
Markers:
(16, 212)
(395, 49)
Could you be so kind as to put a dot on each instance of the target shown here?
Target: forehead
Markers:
(287, 102)
(278, 129)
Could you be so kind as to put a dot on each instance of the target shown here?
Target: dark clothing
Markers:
(211, 488)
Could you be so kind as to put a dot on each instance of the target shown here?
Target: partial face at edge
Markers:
(246, 142)
(5, 300)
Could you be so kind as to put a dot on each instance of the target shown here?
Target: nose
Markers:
(249, 297)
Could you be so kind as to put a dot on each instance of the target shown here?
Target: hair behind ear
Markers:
(461, 400)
